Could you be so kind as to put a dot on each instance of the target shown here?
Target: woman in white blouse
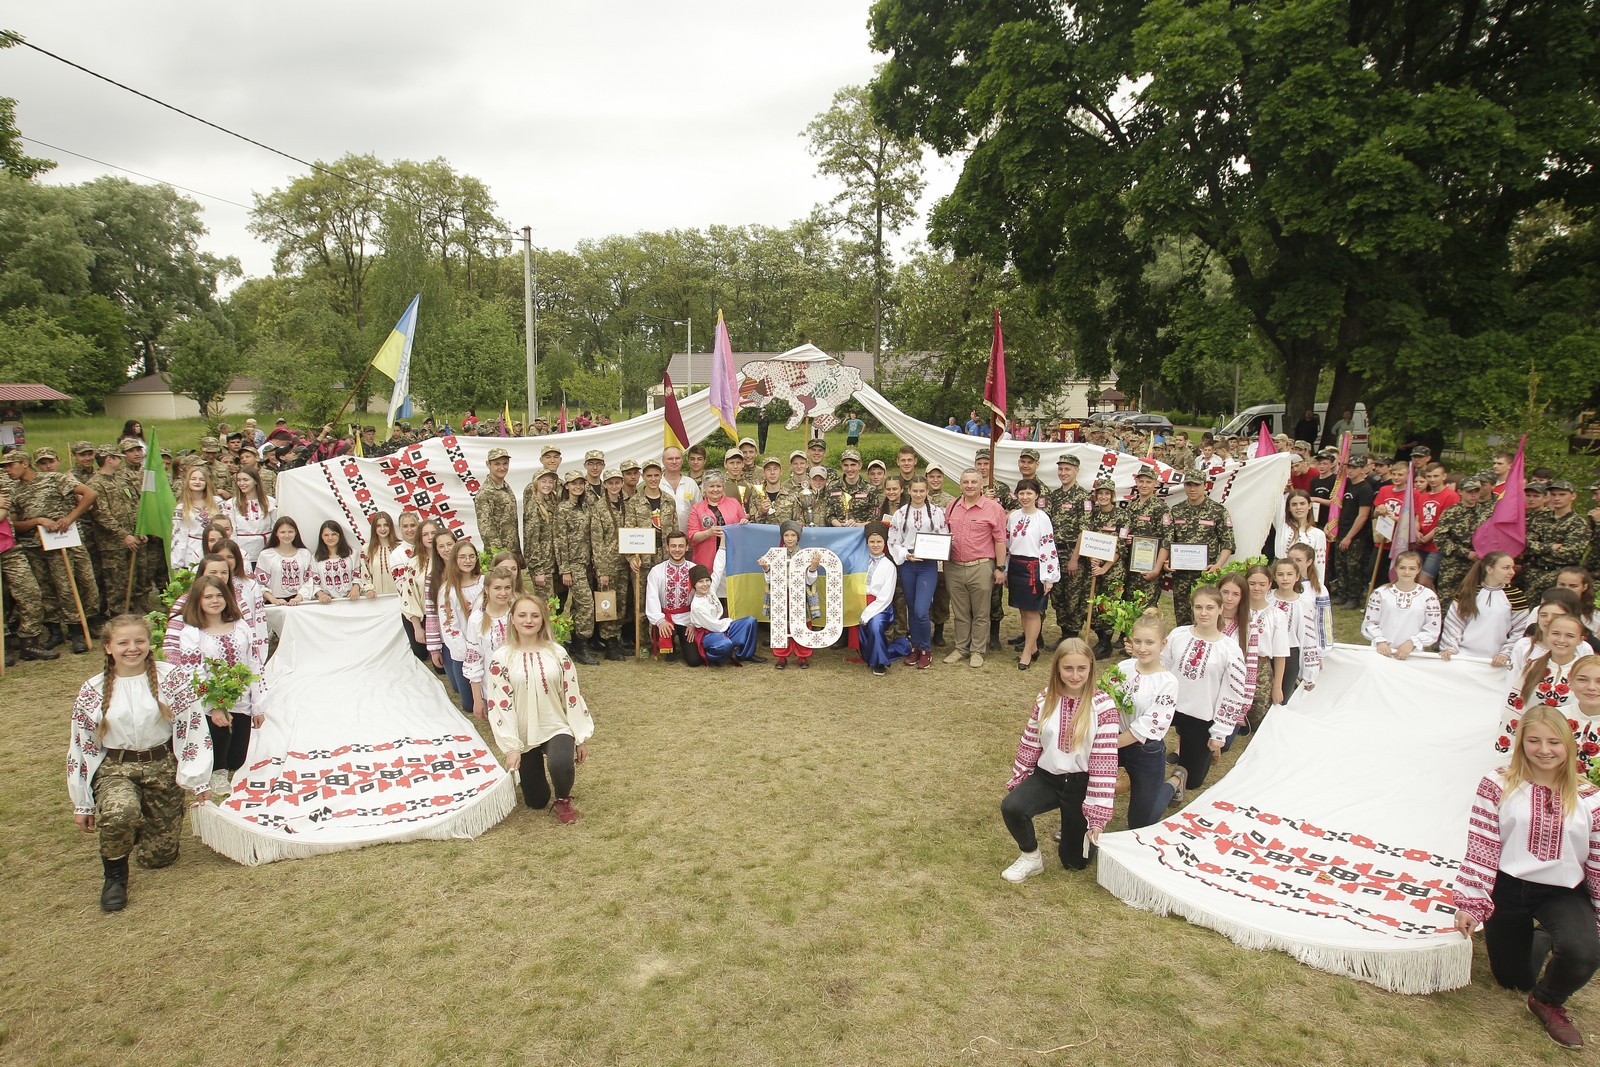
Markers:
(1488, 613)
(252, 512)
(215, 631)
(335, 569)
(197, 503)
(1294, 527)
(918, 577)
(1402, 616)
(486, 632)
(1032, 569)
(536, 710)
(284, 566)
(1151, 693)
(879, 613)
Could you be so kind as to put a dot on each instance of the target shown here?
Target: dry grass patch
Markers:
(796, 868)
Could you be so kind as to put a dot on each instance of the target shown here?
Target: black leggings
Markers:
(1194, 756)
(561, 753)
(230, 743)
(1567, 914)
(419, 649)
(1037, 794)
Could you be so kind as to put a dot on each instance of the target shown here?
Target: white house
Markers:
(151, 397)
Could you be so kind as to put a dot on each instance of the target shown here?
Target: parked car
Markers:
(1149, 423)
(1249, 421)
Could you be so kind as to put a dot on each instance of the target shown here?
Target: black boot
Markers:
(52, 636)
(938, 635)
(11, 654)
(79, 644)
(32, 649)
(614, 650)
(994, 634)
(579, 648)
(114, 894)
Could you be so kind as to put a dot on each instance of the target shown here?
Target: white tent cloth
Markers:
(360, 746)
(1337, 835)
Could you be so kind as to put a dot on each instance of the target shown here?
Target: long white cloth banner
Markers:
(1337, 835)
(360, 746)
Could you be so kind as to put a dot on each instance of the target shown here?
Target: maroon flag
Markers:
(994, 386)
(1506, 529)
(673, 433)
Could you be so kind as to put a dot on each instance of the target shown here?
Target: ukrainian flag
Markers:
(747, 582)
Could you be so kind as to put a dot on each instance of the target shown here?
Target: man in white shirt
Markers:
(667, 598)
(680, 486)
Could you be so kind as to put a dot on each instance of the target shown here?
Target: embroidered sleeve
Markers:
(1101, 795)
(1474, 888)
(1450, 632)
(191, 736)
(1310, 642)
(498, 700)
(1430, 620)
(1028, 749)
(430, 617)
(573, 705)
(1157, 703)
(1049, 562)
(83, 748)
(1591, 863)
(1237, 692)
(1372, 621)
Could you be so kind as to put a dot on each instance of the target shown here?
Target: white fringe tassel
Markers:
(1446, 964)
(244, 843)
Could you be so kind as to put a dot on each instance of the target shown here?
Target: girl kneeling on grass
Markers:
(1067, 759)
(138, 741)
(1533, 854)
(536, 711)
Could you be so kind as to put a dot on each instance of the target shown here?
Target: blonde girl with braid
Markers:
(138, 740)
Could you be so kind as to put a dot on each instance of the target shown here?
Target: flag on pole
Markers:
(673, 435)
(994, 385)
(561, 426)
(156, 502)
(1405, 525)
(355, 441)
(394, 359)
(505, 420)
(1506, 529)
(724, 388)
(1336, 500)
(1264, 445)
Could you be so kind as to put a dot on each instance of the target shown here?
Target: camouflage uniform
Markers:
(113, 517)
(1181, 458)
(53, 496)
(497, 516)
(863, 504)
(761, 508)
(812, 508)
(1148, 517)
(997, 609)
(539, 542)
(573, 557)
(1113, 520)
(18, 576)
(1542, 558)
(660, 514)
(150, 562)
(606, 562)
(1068, 507)
(141, 806)
(739, 488)
(1206, 523)
(268, 479)
(1453, 537)
(939, 613)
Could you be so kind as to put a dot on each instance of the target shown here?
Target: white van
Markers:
(1248, 423)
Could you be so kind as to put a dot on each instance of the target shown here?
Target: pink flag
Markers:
(1336, 503)
(1264, 445)
(724, 389)
(1405, 525)
(1507, 527)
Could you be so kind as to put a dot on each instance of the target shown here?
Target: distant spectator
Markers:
(1308, 426)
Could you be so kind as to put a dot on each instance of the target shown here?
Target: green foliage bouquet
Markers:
(1233, 566)
(157, 619)
(1114, 684)
(220, 686)
(560, 621)
(1119, 612)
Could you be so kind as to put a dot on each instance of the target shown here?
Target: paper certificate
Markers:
(1189, 558)
(1383, 528)
(1143, 556)
(1101, 546)
(636, 540)
(932, 546)
(53, 541)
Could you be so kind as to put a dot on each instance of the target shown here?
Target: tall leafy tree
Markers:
(202, 361)
(1355, 170)
(13, 160)
(881, 170)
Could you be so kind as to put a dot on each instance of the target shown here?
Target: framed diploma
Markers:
(932, 546)
(1143, 556)
(636, 540)
(1189, 558)
(1101, 546)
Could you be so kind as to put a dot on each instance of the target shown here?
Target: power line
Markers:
(135, 173)
(16, 38)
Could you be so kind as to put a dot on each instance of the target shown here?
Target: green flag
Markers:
(156, 502)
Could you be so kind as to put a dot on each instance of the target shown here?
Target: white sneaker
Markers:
(1028, 864)
(221, 782)
(955, 657)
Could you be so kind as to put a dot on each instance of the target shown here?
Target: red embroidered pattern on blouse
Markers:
(1545, 823)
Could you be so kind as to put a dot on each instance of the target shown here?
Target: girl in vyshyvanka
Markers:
(138, 740)
(1581, 583)
(197, 504)
(1298, 613)
(486, 632)
(1582, 709)
(284, 566)
(1032, 568)
(918, 577)
(1545, 679)
(1552, 602)
(214, 631)
(335, 569)
(411, 581)
(1295, 527)
(1533, 856)
(246, 593)
(1487, 615)
(1273, 644)
(537, 713)
(1311, 586)
(253, 512)
(1152, 693)
(384, 550)
(455, 598)
(1212, 689)
(876, 647)
(1403, 616)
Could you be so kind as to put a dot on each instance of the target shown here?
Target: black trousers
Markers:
(1291, 674)
(560, 752)
(1194, 735)
(230, 743)
(1567, 914)
(1037, 794)
(419, 649)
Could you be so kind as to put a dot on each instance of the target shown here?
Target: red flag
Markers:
(994, 386)
(1506, 529)
(1264, 445)
(673, 435)
(561, 424)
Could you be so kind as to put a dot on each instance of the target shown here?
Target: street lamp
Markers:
(688, 349)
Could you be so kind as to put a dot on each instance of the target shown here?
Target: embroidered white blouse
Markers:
(1034, 537)
(1396, 616)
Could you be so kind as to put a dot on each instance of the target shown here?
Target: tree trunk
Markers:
(1347, 389)
(1302, 365)
(878, 257)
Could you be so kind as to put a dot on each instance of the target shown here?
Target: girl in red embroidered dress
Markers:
(1533, 854)
(215, 630)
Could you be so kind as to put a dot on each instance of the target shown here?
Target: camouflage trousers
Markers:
(578, 601)
(23, 589)
(61, 571)
(112, 565)
(939, 613)
(1070, 599)
(1451, 572)
(141, 806)
(612, 629)
(1355, 573)
(1184, 583)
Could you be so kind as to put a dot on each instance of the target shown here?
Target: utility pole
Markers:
(530, 322)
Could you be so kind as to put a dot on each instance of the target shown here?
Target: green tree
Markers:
(881, 170)
(201, 362)
(592, 390)
(1356, 171)
(13, 160)
(34, 347)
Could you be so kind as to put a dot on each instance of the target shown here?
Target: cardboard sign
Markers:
(605, 605)
(636, 540)
(53, 541)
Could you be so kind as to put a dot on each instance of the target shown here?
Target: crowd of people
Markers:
(948, 552)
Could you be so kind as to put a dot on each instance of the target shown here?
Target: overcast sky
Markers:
(583, 119)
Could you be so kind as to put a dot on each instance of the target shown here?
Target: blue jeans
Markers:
(1148, 792)
(920, 579)
(458, 680)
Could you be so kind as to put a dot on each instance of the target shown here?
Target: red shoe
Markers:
(1556, 1023)
(925, 660)
(911, 660)
(564, 810)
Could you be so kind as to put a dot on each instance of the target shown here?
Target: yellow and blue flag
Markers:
(394, 359)
(747, 582)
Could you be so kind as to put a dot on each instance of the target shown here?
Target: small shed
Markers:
(151, 397)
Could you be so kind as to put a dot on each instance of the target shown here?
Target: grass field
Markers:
(770, 869)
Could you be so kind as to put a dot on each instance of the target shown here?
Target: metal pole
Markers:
(688, 353)
(530, 324)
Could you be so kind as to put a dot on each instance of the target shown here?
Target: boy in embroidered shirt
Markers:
(721, 639)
